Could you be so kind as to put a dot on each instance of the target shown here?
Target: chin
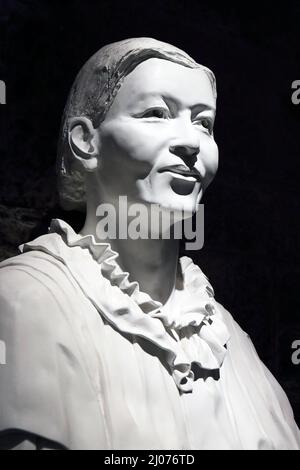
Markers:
(185, 203)
(183, 207)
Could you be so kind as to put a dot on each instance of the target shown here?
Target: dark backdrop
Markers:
(251, 251)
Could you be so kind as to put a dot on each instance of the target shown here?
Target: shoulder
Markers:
(32, 277)
(240, 345)
(17, 279)
(46, 356)
(229, 320)
(40, 356)
(23, 284)
(33, 302)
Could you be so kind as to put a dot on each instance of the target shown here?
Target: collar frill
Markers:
(189, 330)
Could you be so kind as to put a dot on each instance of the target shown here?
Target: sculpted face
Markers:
(156, 142)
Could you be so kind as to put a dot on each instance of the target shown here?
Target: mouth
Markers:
(182, 172)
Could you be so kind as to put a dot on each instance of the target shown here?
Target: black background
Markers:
(251, 251)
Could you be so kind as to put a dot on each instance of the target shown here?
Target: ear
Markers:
(84, 142)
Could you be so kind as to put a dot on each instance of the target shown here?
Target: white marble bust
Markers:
(117, 343)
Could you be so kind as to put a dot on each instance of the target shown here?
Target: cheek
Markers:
(209, 159)
(130, 140)
(213, 158)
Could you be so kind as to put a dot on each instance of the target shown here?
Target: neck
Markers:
(151, 262)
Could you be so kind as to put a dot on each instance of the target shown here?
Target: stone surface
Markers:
(251, 251)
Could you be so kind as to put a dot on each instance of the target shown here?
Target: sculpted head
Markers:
(139, 122)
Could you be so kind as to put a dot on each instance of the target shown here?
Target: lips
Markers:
(182, 170)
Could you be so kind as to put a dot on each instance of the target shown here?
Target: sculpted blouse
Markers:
(94, 363)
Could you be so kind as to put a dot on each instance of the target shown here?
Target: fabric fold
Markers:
(191, 331)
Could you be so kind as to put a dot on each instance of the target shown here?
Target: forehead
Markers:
(160, 77)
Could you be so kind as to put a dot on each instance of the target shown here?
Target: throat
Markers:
(152, 263)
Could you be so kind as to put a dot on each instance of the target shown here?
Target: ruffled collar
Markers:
(189, 329)
(103, 254)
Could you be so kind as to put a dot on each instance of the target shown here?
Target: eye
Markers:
(159, 113)
(206, 123)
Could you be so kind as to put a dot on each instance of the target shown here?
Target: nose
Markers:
(186, 152)
(187, 146)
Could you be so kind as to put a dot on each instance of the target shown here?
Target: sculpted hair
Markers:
(92, 94)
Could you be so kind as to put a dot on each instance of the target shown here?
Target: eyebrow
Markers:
(167, 99)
